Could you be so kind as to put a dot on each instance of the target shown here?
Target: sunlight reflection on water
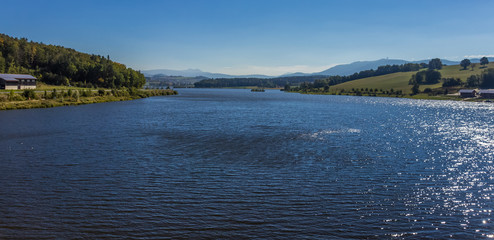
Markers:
(233, 164)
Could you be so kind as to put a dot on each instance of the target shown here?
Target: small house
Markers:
(468, 93)
(486, 93)
(17, 81)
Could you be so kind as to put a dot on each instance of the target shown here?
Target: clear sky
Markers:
(256, 37)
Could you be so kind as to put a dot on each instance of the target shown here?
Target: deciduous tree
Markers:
(415, 89)
(473, 81)
(484, 61)
(435, 64)
(487, 79)
(465, 63)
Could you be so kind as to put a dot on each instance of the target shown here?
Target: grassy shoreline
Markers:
(420, 96)
(56, 98)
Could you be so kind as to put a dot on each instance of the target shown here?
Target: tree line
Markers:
(58, 65)
(306, 81)
(429, 76)
(484, 80)
(258, 82)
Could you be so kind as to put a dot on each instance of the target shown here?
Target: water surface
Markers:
(214, 163)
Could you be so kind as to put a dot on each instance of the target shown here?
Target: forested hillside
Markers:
(64, 66)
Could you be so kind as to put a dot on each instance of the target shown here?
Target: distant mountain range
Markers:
(351, 68)
(342, 70)
(197, 73)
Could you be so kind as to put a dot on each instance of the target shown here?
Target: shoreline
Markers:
(62, 99)
(420, 96)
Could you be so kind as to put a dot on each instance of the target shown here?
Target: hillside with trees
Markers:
(382, 70)
(436, 81)
(57, 65)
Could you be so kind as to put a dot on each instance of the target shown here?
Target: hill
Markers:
(399, 81)
(349, 69)
(340, 70)
(319, 80)
(58, 65)
(196, 73)
(163, 81)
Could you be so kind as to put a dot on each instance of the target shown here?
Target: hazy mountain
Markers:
(351, 68)
(449, 62)
(197, 73)
(444, 61)
(342, 70)
(161, 80)
(297, 74)
(475, 60)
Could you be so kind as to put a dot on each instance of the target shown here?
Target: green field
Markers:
(399, 81)
(457, 72)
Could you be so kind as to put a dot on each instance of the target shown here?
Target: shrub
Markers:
(85, 93)
(29, 94)
(114, 92)
(132, 91)
(77, 95)
(450, 82)
(15, 97)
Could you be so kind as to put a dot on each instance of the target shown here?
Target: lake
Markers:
(212, 163)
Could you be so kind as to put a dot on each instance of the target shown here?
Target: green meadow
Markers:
(399, 81)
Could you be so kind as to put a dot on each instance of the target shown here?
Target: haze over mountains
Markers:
(342, 69)
(197, 73)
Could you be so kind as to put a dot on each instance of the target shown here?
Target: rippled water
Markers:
(236, 164)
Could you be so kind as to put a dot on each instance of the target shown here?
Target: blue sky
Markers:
(262, 37)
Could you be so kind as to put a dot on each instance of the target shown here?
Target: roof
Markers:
(15, 77)
(489, 91)
(467, 91)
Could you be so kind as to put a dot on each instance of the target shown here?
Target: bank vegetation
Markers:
(29, 98)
